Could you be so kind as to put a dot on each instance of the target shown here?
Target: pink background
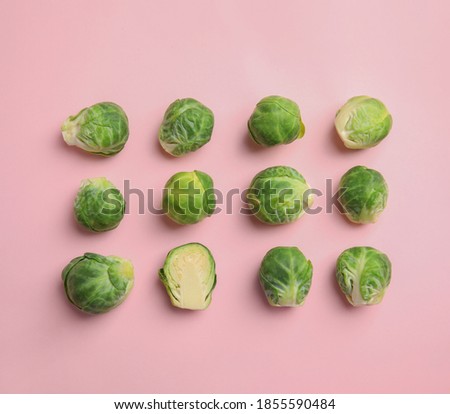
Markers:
(58, 57)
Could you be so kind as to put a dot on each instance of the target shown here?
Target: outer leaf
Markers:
(207, 185)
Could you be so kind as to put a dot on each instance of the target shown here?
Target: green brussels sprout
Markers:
(189, 275)
(285, 275)
(99, 205)
(186, 127)
(278, 195)
(100, 129)
(363, 122)
(363, 194)
(275, 120)
(96, 283)
(188, 197)
(363, 274)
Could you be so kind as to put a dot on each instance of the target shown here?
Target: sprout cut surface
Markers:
(189, 276)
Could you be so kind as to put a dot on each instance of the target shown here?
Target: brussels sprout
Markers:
(278, 195)
(189, 275)
(99, 205)
(100, 129)
(275, 120)
(363, 194)
(285, 276)
(96, 283)
(187, 126)
(189, 197)
(363, 274)
(363, 122)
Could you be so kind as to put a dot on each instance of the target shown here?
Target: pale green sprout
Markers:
(96, 283)
(186, 127)
(99, 205)
(363, 194)
(363, 274)
(188, 197)
(363, 122)
(279, 195)
(100, 129)
(276, 120)
(285, 275)
(189, 275)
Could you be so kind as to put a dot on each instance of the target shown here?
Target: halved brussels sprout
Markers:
(187, 126)
(100, 129)
(363, 122)
(276, 120)
(188, 197)
(363, 194)
(189, 275)
(279, 195)
(285, 276)
(363, 274)
(96, 283)
(99, 205)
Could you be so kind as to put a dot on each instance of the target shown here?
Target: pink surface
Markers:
(58, 57)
